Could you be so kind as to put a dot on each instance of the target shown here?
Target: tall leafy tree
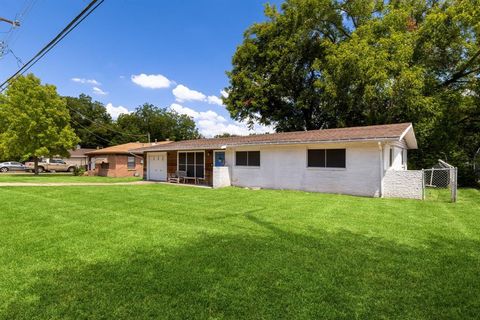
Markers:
(91, 121)
(326, 63)
(34, 121)
(154, 122)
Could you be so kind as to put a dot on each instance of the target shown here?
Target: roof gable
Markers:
(125, 148)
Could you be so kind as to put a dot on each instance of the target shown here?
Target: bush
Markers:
(79, 171)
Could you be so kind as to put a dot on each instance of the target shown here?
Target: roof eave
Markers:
(223, 146)
(409, 135)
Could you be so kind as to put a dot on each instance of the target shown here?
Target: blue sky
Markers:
(169, 53)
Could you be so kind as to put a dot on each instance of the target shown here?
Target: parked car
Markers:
(12, 166)
(52, 165)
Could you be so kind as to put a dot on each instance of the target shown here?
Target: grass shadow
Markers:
(282, 275)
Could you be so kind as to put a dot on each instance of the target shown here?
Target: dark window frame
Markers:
(129, 167)
(248, 161)
(195, 166)
(325, 163)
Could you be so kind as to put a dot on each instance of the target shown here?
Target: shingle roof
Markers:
(378, 132)
(125, 148)
(80, 152)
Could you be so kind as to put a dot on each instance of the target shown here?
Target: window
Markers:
(193, 163)
(326, 158)
(316, 158)
(131, 163)
(247, 158)
(391, 156)
(403, 157)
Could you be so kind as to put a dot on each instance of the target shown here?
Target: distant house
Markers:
(78, 157)
(366, 161)
(118, 161)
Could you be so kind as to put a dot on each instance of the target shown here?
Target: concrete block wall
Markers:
(221, 177)
(285, 167)
(403, 184)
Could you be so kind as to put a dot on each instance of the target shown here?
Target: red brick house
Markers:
(118, 161)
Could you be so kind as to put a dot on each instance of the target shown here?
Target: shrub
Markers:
(79, 171)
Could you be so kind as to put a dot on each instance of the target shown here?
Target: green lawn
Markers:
(60, 177)
(160, 251)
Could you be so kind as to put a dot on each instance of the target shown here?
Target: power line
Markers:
(11, 35)
(19, 61)
(89, 9)
(90, 131)
(107, 127)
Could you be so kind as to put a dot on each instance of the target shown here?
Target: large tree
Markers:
(91, 121)
(149, 121)
(325, 63)
(34, 121)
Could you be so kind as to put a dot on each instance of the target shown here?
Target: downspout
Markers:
(380, 148)
(144, 172)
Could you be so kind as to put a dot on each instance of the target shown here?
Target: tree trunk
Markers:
(35, 165)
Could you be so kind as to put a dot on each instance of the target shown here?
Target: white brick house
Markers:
(357, 161)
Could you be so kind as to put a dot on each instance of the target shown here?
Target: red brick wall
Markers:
(118, 167)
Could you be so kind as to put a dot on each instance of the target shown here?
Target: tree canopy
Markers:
(34, 121)
(159, 123)
(327, 63)
(95, 126)
(91, 121)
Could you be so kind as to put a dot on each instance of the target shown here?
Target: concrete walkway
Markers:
(76, 184)
(70, 184)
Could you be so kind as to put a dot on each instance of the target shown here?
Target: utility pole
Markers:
(148, 134)
(12, 22)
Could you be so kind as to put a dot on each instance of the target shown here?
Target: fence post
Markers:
(423, 184)
(453, 184)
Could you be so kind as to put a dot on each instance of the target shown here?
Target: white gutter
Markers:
(286, 143)
(380, 148)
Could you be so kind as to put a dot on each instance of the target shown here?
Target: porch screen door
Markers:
(193, 163)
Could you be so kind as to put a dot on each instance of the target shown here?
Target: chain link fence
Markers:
(440, 182)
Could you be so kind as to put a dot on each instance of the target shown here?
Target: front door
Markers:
(157, 166)
(219, 158)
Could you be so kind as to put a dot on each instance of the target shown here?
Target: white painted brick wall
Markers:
(285, 167)
(221, 177)
(403, 184)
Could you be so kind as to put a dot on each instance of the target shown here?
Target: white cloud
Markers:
(182, 93)
(224, 93)
(214, 100)
(210, 123)
(184, 110)
(151, 81)
(86, 81)
(116, 111)
(97, 90)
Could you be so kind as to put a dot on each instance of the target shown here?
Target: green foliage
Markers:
(167, 252)
(225, 135)
(95, 127)
(34, 121)
(160, 123)
(325, 63)
(91, 121)
(79, 171)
